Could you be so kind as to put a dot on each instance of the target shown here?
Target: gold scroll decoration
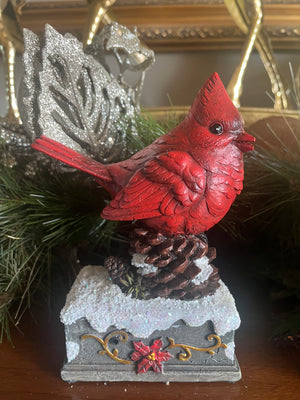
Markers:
(248, 15)
(97, 14)
(11, 41)
(123, 336)
(187, 348)
(114, 354)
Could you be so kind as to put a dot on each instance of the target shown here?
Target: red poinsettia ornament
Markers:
(150, 356)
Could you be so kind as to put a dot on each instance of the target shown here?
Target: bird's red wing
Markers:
(163, 186)
(140, 199)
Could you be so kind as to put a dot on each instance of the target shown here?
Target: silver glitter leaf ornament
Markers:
(71, 97)
(30, 86)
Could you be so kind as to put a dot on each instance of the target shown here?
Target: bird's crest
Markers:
(210, 88)
(212, 102)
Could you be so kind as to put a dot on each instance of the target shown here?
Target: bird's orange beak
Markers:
(245, 142)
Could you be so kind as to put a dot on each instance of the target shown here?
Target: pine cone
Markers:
(126, 277)
(174, 258)
(116, 267)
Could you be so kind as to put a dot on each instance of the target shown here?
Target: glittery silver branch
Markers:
(120, 44)
(73, 97)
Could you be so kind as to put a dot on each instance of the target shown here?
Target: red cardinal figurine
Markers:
(186, 180)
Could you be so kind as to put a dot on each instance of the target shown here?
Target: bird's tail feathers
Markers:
(71, 157)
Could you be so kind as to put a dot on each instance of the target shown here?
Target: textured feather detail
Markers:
(71, 157)
(162, 186)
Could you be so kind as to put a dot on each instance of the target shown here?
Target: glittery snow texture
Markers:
(103, 304)
(206, 270)
(229, 351)
(143, 268)
(72, 350)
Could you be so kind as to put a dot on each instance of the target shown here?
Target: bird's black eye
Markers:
(216, 128)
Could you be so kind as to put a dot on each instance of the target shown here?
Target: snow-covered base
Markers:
(103, 304)
(95, 306)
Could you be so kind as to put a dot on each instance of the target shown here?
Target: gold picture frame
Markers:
(170, 25)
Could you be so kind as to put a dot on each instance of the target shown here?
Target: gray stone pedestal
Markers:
(102, 326)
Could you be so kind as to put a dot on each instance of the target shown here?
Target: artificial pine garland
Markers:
(37, 214)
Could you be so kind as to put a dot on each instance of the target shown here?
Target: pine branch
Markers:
(35, 216)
